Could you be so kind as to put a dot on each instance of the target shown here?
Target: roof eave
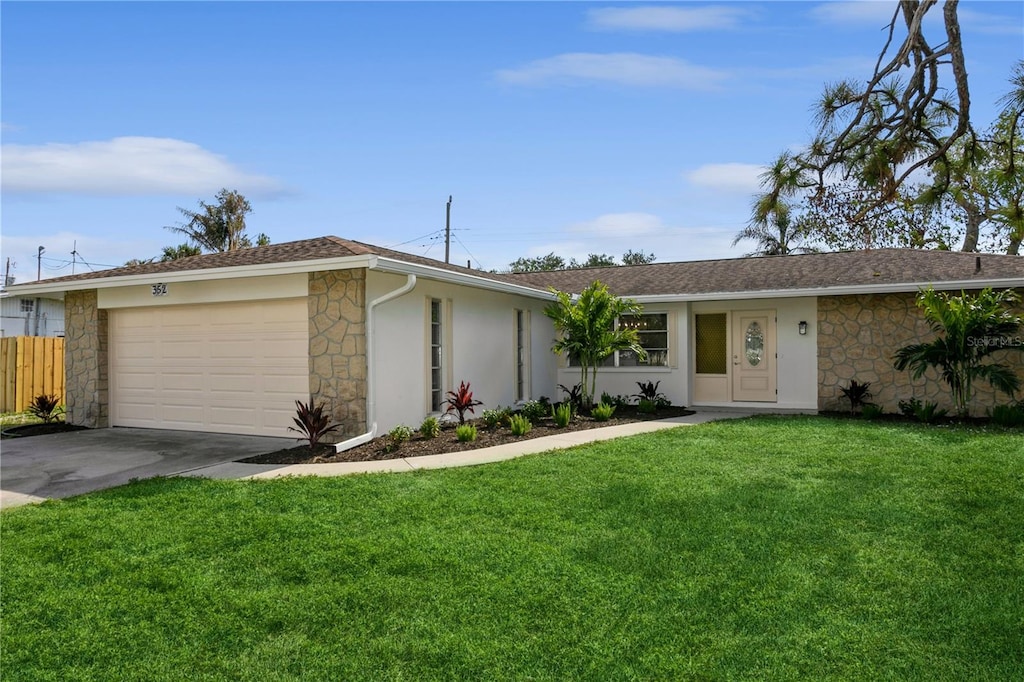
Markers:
(210, 274)
(845, 290)
(385, 264)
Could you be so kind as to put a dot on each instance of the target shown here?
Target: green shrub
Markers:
(929, 412)
(430, 428)
(562, 414)
(534, 411)
(602, 412)
(465, 433)
(615, 400)
(909, 408)
(871, 411)
(496, 417)
(646, 406)
(1008, 415)
(520, 425)
(398, 435)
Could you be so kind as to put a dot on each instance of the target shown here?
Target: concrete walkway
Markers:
(497, 453)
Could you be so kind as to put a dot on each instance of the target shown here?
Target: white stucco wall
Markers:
(481, 347)
(623, 380)
(797, 363)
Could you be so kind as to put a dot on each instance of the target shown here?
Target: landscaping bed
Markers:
(418, 446)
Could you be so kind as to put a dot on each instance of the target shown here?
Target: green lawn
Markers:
(770, 548)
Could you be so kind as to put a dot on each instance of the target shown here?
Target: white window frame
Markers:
(27, 305)
(521, 358)
(613, 361)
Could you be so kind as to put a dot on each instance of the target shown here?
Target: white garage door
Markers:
(223, 368)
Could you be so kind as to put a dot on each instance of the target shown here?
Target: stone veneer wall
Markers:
(85, 360)
(858, 336)
(337, 347)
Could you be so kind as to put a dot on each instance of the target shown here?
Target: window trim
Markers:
(521, 355)
(445, 318)
(670, 349)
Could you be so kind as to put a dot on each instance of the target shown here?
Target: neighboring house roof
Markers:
(881, 269)
(767, 276)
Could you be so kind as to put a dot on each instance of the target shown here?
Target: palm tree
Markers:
(969, 328)
(588, 333)
(773, 229)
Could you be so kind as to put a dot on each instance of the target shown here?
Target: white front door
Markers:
(753, 356)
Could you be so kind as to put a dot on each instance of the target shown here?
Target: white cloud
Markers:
(623, 68)
(734, 178)
(620, 225)
(671, 19)
(126, 166)
(877, 12)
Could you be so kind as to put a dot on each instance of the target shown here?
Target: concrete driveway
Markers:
(64, 464)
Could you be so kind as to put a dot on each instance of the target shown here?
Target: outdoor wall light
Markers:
(802, 328)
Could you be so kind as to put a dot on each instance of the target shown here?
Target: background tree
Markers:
(221, 226)
(181, 251)
(632, 257)
(968, 328)
(774, 230)
(896, 160)
(594, 260)
(588, 330)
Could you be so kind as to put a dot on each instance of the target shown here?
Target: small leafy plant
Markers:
(574, 396)
(929, 412)
(857, 393)
(602, 412)
(615, 400)
(534, 411)
(909, 407)
(461, 401)
(430, 428)
(465, 433)
(1008, 415)
(519, 425)
(648, 391)
(871, 411)
(312, 423)
(646, 406)
(398, 435)
(562, 415)
(45, 407)
(496, 417)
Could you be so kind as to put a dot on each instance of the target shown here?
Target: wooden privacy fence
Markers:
(30, 366)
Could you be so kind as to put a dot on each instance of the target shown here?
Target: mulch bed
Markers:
(39, 429)
(417, 446)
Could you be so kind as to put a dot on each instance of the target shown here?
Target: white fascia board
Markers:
(1014, 283)
(440, 274)
(241, 271)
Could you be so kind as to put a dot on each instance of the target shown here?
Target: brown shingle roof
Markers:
(780, 273)
(688, 278)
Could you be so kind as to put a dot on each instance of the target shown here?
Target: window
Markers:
(28, 305)
(522, 356)
(652, 330)
(436, 380)
(711, 351)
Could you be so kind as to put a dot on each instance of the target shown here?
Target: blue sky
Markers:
(571, 127)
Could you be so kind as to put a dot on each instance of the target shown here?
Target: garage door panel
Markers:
(234, 368)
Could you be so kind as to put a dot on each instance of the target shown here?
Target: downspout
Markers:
(371, 405)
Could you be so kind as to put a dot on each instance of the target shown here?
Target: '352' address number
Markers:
(159, 289)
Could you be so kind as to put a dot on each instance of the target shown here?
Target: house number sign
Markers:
(160, 289)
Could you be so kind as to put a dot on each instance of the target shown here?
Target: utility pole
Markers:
(39, 267)
(448, 229)
(7, 273)
(74, 254)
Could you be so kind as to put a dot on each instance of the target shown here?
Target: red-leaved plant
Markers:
(461, 401)
(312, 423)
